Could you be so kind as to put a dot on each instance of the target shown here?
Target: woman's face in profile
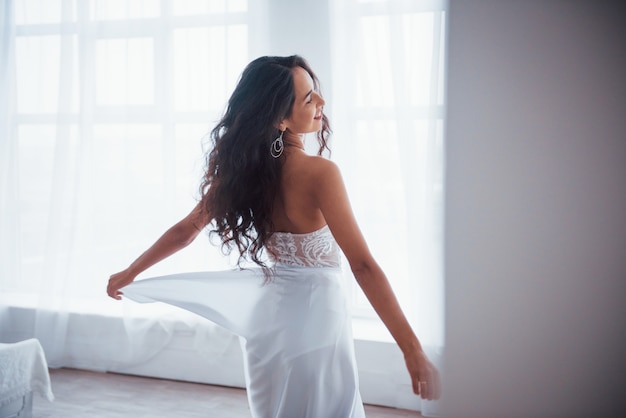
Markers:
(306, 114)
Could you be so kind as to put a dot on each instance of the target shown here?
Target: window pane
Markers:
(44, 11)
(127, 172)
(374, 74)
(207, 63)
(128, 168)
(385, 216)
(414, 37)
(125, 71)
(39, 79)
(193, 7)
(47, 161)
(188, 142)
(237, 5)
(36, 171)
(418, 50)
(124, 9)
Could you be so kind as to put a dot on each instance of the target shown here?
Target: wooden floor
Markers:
(81, 394)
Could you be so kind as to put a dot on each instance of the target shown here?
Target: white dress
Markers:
(296, 329)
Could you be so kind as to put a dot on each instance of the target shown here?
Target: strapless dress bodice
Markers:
(313, 249)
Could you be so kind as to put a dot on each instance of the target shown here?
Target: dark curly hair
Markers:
(242, 179)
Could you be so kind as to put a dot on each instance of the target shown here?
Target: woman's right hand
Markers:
(174, 239)
(424, 376)
(117, 281)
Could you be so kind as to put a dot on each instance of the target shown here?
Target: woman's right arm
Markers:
(174, 239)
(332, 199)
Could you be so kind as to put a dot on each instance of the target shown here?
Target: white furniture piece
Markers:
(23, 370)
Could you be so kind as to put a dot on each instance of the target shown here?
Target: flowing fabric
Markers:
(295, 329)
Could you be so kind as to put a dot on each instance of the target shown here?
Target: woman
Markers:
(262, 192)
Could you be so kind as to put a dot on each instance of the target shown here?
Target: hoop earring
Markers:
(277, 147)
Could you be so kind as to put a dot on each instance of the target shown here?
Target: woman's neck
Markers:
(293, 140)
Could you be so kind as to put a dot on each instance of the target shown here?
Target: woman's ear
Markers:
(282, 126)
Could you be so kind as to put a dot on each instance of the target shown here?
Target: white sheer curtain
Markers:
(103, 104)
(388, 80)
(106, 104)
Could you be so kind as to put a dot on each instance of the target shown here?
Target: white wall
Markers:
(536, 209)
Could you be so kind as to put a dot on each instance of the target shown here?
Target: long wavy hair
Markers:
(242, 179)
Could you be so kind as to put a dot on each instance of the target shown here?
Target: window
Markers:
(389, 100)
(109, 100)
(112, 99)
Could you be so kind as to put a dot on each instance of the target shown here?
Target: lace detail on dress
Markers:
(315, 249)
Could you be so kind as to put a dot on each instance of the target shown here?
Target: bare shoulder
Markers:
(320, 167)
(325, 181)
(312, 168)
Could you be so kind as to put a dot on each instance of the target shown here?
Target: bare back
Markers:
(296, 209)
